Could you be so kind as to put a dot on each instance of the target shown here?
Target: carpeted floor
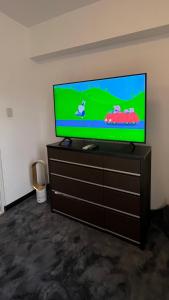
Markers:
(44, 256)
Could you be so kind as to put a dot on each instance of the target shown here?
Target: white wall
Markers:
(105, 19)
(20, 135)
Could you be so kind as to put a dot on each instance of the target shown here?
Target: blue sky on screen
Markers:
(124, 88)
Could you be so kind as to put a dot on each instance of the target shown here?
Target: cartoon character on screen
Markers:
(129, 110)
(117, 109)
(81, 110)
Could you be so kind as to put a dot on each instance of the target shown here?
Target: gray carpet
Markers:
(45, 256)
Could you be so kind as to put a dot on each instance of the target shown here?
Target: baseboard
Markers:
(19, 200)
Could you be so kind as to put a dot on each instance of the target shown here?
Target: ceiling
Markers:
(32, 12)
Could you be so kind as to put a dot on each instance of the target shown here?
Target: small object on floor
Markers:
(39, 187)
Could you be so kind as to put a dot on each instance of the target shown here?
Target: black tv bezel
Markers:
(107, 140)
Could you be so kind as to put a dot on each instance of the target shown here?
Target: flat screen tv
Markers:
(105, 109)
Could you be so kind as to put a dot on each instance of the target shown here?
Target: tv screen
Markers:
(105, 109)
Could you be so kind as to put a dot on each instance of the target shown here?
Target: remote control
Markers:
(89, 147)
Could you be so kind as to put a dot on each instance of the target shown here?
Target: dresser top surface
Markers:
(106, 148)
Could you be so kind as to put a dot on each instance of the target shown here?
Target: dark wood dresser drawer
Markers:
(75, 188)
(108, 187)
(120, 181)
(75, 171)
(122, 201)
(122, 164)
(78, 209)
(124, 225)
(76, 157)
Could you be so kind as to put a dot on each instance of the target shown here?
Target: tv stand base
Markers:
(132, 146)
(65, 142)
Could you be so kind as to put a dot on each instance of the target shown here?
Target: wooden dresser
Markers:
(108, 188)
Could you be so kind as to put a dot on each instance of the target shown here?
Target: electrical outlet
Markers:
(9, 112)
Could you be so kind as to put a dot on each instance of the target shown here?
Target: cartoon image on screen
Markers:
(81, 110)
(112, 109)
(128, 116)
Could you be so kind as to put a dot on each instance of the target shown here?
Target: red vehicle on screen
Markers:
(118, 117)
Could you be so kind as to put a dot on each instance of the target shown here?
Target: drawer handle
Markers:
(59, 193)
(55, 192)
